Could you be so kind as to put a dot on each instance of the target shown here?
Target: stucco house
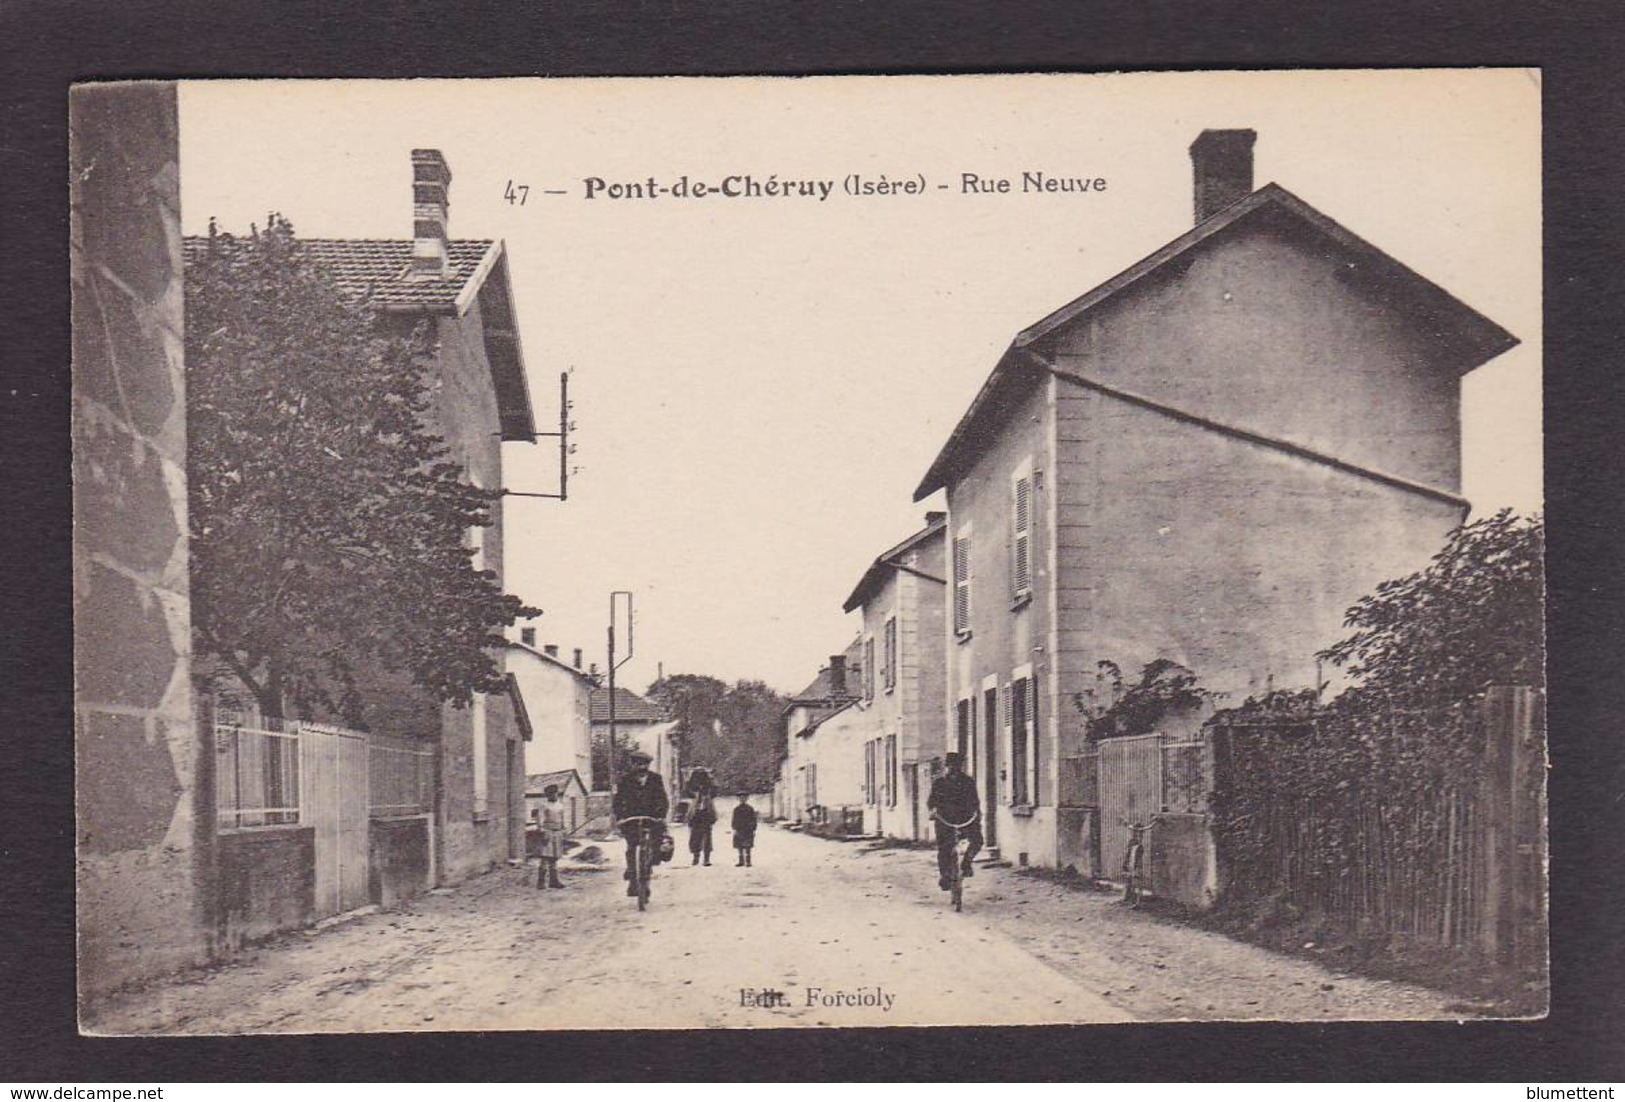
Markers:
(1207, 458)
(900, 599)
(816, 776)
(558, 697)
(639, 722)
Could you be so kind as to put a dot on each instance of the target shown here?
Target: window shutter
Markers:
(962, 584)
(869, 668)
(1021, 561)
(1032, 735)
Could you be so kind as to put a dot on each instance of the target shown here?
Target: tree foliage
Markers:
(329, 524)
(1165, 688)
(1354, 811)
(1472, 617)
(734, 731)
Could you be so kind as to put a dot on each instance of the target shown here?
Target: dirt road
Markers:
(816, 934)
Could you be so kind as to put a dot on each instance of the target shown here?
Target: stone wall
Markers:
(267, 883)
(142, 769)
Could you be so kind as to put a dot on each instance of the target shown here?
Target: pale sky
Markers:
(760, 383)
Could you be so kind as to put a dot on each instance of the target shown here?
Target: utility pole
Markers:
(613, 666)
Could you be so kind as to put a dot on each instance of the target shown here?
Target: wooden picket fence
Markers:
(1457, 866)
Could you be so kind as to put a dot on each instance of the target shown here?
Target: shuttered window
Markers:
(1021, 575)
(962, 581)
(869, 668)
(890, 666)
(891, 770)
(1020, 750)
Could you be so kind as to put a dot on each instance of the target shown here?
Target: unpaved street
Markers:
(846, 934)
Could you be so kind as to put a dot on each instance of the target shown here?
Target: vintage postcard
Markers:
(819, 552)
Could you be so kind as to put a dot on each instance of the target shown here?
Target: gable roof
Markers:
(1473, 338)
(629, 707)
(883, 567)
(822, 690)
(553, 660)
(817, 717)
(521, 714)
(376, 269)
(537, 782)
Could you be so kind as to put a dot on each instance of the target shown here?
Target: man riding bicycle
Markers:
(958, 814)
(641, 792)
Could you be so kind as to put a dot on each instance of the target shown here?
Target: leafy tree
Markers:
(624, 743)
(329, 527)
(1472, 617)
(734, 731)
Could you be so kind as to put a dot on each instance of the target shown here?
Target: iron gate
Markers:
(1130, 790)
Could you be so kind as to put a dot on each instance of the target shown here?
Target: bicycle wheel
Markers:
(645, 870)
(959, 890)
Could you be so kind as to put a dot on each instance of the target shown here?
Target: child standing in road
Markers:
(744, 824)
(550, 818)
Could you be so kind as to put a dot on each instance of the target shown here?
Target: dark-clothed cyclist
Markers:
(641, 792)
(958, 814)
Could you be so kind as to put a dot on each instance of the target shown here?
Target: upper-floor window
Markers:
(962, 581)
(889, 667)
(869, 668)
(1021, 524)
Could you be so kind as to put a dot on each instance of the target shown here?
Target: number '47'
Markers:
(516, 193)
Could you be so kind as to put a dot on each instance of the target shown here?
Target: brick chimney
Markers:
(431, 198)
(551, 650)
(837, 674)
(1222, 161)
(935, 515)
(576, 660)
(527, 636)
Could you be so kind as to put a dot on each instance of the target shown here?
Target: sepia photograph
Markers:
(843, 551)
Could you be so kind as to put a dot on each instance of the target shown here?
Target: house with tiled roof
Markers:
(811, 780)
(638, 722)
(1206, 459)
(478, 400)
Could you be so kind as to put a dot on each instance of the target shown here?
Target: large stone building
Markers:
(1206, 459)
(145, 832)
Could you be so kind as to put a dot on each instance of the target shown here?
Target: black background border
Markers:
(44, 46)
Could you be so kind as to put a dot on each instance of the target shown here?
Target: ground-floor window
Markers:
(1021, 755)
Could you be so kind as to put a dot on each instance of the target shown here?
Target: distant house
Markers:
(900, 598)
(571, 790)
(638, 722)
(1207, 459)
(815, 776)
(558, 696)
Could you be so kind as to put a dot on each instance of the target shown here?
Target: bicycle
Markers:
(956, 878)
(642, 855)
(1134, 871)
